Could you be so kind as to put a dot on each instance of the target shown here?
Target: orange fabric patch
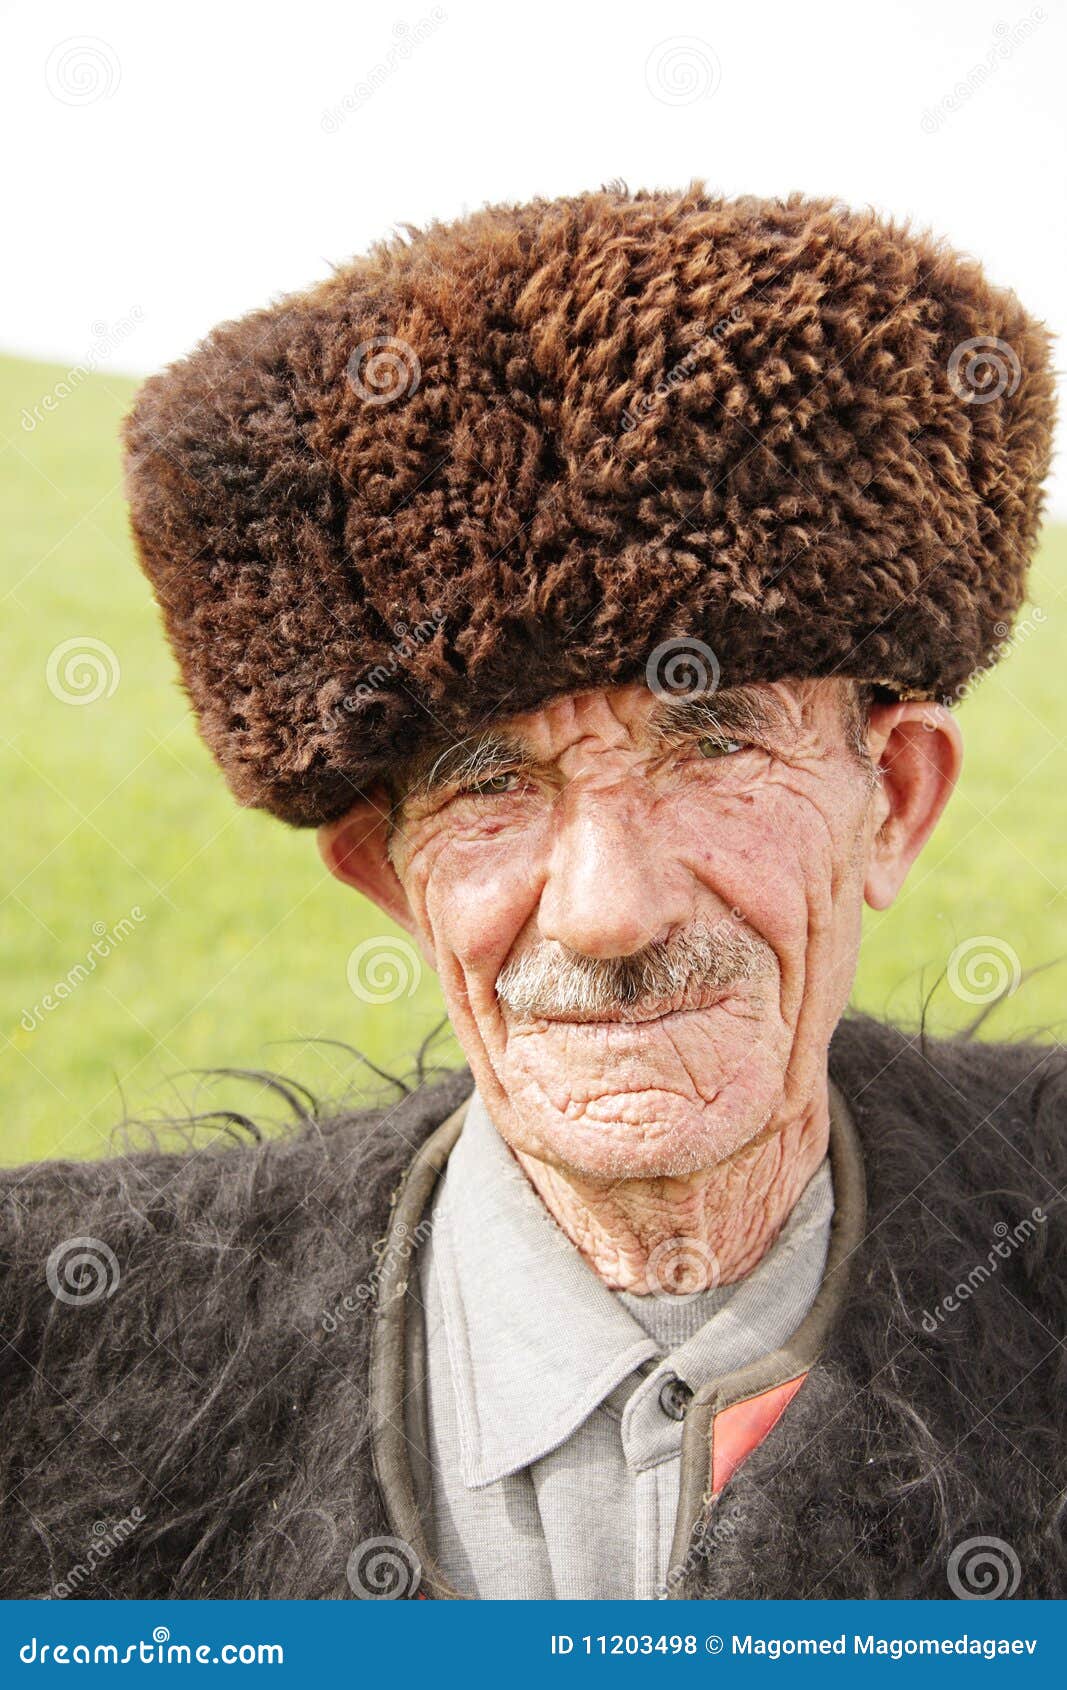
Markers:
(738, 1430)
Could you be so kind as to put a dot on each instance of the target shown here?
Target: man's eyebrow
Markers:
(748, 711)
(735, 712)
(466, 760)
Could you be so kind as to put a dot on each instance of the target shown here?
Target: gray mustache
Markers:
(550, 980)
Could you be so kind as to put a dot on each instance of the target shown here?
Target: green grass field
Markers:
(226, 941)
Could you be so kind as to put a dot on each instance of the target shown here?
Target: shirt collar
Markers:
(767, 1305)
(536, 1341)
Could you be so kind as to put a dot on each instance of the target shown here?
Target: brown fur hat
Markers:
(558, 445)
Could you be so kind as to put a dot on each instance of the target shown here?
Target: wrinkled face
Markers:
(645, 914)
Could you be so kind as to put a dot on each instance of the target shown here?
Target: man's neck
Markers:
(680, 1236)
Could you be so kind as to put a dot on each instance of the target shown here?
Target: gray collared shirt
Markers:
(547, 1464)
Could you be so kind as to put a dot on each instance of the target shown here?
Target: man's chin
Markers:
(619, 1100)
(651, 1133)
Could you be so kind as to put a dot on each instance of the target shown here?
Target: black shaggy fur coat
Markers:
(204, 1416)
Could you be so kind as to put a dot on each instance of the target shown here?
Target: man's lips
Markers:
(625, 1015)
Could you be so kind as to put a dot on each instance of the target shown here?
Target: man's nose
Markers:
(611, 886)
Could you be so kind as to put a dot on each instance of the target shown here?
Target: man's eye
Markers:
(718, 747)
(490, 785)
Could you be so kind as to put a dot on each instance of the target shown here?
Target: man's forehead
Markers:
(642, 713)
(615, 713)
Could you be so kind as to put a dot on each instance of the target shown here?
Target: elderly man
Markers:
(595, 576)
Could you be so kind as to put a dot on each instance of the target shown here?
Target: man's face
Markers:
(644, 914)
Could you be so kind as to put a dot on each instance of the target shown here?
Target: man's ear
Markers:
(356, 850)
(918, 751)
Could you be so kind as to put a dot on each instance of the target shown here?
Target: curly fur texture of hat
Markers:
(581, 442)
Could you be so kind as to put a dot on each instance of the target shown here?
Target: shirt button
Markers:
(674, 1398)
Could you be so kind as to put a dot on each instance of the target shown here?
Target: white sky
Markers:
(175, 168)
